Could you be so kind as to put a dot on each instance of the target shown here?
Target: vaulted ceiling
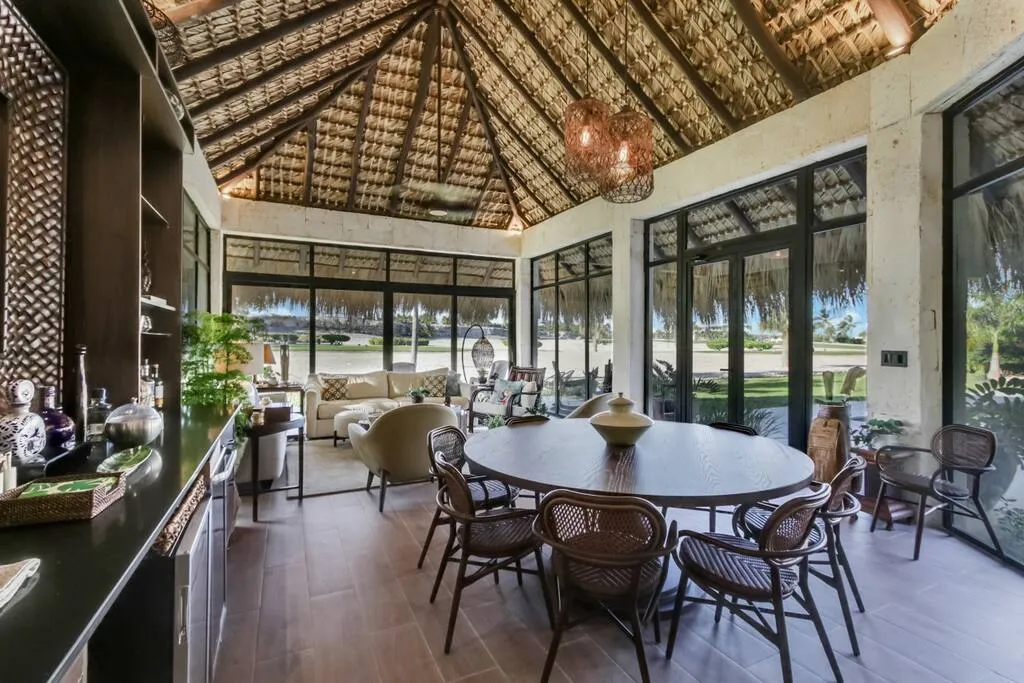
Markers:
(336, 104)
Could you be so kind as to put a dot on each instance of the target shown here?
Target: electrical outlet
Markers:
(894, 359)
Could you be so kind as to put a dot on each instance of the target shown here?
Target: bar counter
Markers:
(86, 564)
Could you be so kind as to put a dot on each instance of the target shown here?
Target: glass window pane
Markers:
(600, 256)
(571, 361)
(202, 288)
(987, 135)
(663, 288)
(765, 344)
(709, 346)
(284, 312)
(840, 322)
(484, 273)
(422, 332)
(599, 335)
(762, 209)
(572, 262)
(427, 269)
(203, 247)
(188, 283)
(544, 270)
(544, 341)
(349, 264)
(188, 225)
(267, 257)
(349, 331)
(840, 190)
(663, 238)
(492, 314)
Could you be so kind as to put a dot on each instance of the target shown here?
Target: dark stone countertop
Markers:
(86, 564)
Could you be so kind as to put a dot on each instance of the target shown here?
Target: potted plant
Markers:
(876, 432)
(495, 421)
(214, 351)
(417, 394)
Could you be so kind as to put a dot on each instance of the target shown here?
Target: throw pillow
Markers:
(435, 385)
(334, 389)
(504, 389)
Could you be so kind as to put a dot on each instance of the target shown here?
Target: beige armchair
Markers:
(392, 448)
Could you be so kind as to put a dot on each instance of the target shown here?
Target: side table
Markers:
(890, 510)
(255, 433)
(284, 389)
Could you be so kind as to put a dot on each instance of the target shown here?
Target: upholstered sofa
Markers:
(371, 392)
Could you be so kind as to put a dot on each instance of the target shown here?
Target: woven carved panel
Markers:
(33, 84)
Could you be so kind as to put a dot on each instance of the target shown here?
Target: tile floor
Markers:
(329, 592)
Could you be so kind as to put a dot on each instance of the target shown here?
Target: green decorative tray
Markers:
(126, 461)
(72, 499)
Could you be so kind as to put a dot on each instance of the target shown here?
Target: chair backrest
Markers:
(843, 483)
(591, 407)
(732, 427)
(964, 446)
(525, 420)
(447, 443)
(455, 487)
(791, 523)
(396, 438)
(522, 374)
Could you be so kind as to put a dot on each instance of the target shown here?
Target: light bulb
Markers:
(585, 136)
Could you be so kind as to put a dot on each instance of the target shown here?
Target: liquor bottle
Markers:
(146, 385)
(99, 409)
(81, 404)
(60, 428)
(158, 386)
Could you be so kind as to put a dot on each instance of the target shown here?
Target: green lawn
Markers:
(767, 392)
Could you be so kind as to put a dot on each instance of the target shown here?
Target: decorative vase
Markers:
(80, 404)
(147, 272)
(133, 424)
(286, 361)
(22, 433)
(831, 451)
(620, 425)
(60, 429)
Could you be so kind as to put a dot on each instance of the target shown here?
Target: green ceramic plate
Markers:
(125, 461)
(50, 488)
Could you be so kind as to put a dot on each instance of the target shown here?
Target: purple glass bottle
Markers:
(59, 427)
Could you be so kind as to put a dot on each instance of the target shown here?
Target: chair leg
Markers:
(369, 480)
(844, 562)
(443, 564)
(922, 508)
(519, 573)
(988, 525)
(677, 608)
(837, 580)
(383, 491)
(430, 536)
(878, 506)
(638, 644)
(335, 439)
(556, 638)
(712, 516)
(720, 603)
(544, 587)
(456, 597)
(812, 609)
(782, 637)
(656, 618)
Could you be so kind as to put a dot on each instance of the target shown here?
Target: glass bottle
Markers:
(81, 395)
(60, 428)
(99, 409)
(146, 385)
(158, 386)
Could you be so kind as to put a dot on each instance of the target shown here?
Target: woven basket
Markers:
(66, 507)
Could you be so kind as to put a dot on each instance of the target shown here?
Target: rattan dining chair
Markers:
(714, 510)
(448, 443)
(499, 539)
(750, 521)
(957, 449)
(525, 420)
(767, 571)
(611, 551)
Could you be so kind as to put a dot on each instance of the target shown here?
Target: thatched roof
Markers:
(334, 104)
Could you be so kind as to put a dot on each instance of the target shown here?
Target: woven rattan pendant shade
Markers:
(482, 354)
(629, 166)
(585, 127)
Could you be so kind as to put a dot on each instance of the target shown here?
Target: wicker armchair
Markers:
(483, 403)
(608, 550)
(957, 449)
(499, 538)
(750, 521)
(448, 444)
(768, 571)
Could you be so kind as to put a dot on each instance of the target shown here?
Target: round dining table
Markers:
(674, 464)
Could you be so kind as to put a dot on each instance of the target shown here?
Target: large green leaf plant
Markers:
(214, 347)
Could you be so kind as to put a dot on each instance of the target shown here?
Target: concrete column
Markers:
(628, 313)
(524, 312)
(904, 268)
(216, 271)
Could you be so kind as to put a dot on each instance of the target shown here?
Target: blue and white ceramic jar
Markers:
(22, 432)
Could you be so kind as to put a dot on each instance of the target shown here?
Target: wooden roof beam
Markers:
(357, 67)
(196, 8)
(459, 45)
(772, 51)
(460, 134)
(357, 142)
(238, 48)
(428, 57)
(740, 216)
(704, 90)
(302, 60)
(895, 21)
(509, 77)
(529, 193)
(616, 66)
(310, 161)
(543, 53)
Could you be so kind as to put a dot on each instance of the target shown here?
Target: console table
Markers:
(255, 433)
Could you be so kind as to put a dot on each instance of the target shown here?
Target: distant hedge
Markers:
(749, 344)
(399, 341)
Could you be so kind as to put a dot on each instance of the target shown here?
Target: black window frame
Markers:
(201, 258)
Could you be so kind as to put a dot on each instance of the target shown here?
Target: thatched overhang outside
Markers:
(334, 104)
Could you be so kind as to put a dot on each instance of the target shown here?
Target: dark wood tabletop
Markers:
(674, 464)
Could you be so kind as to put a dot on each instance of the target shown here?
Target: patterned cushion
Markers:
(435, 385)
(334, 389)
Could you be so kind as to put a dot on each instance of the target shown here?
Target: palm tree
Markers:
(994, 313)
(845, 325)
(823, 324)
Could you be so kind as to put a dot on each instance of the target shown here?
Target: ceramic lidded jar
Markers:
(620, 425)
(22, 433)
(133, 424)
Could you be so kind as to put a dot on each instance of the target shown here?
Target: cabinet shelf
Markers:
(150, 215)
(155, 303)
(151, 333)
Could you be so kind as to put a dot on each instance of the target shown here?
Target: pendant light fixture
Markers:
(629, 167)
(585, 130)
